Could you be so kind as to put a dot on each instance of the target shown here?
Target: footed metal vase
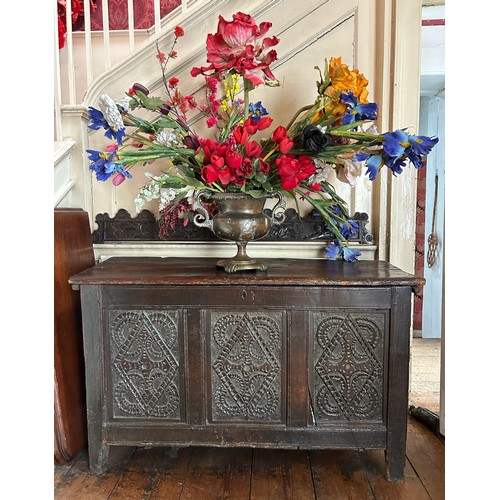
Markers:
(240, 218)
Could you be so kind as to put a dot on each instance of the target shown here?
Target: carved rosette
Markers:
(246, 366)
(348, 367)
(145, 363)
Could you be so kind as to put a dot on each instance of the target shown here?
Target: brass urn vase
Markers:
(240, 218)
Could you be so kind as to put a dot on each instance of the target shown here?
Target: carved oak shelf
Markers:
(145, 227)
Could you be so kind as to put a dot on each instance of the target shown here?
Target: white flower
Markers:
(111, 112)
(323, 170)
(165, 138)
(348, 171)
(149, 192)
(167, 195)
(124, 103)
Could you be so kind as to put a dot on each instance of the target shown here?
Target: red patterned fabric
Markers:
(420, 245)
(118, 14)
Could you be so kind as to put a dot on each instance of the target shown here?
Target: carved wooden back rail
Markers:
(145, 227)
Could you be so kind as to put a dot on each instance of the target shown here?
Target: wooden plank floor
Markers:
(257, 474)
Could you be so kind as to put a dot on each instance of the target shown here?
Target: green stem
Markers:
(247, 86)
(294, 117)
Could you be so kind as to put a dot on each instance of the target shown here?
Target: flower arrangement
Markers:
(334, 135)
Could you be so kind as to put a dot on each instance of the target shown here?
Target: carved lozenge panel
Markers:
(144, 348)
(348, 360)
(246, 366)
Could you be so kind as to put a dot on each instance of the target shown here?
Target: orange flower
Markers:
(343, 79)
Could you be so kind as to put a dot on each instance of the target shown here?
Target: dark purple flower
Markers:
(137, 87)
(191, 142)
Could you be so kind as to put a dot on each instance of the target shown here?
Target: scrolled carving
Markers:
(289, 227)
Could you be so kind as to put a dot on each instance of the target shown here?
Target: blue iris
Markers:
(351, 255)
(348, 228)
(334, 251)
(104, 166)
(357, 111)
(97, 121)
(257, 111)
(398, 147)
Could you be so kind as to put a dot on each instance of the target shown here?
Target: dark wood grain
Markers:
(73, 252)
(202, 271)
(281, 474)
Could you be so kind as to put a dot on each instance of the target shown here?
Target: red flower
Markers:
(252, 149)
(240, 134)
(234, 159)
(209, 173)
(285, 145)
(161, 57)
(173, 82)
(279, 134)
(212, 121)
(264, 166)
(264, 122)
(239, 45)
(294, 169)
(178, 31)
(246, 168)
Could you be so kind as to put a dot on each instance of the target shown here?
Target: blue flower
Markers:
(335, 250)
(397, 148)
(97, 121)
(348, 228)
(350, 255)
(104, 166)
(357, 111)
(257, 111)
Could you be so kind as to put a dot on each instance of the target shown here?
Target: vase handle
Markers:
(202, 219)
(278, 212)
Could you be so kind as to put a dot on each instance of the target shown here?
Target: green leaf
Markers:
(150, 103)
(261, 177)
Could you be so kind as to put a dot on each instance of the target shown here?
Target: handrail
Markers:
(89, 54)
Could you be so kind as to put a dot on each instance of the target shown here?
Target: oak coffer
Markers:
(309, 354)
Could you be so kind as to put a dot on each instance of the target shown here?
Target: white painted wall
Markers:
(380, 37)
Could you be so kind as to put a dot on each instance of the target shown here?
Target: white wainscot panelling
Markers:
(223, 249)
(63, 183)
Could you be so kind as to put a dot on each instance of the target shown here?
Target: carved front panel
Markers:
(144, 348)
(246, 366)
(348, 360)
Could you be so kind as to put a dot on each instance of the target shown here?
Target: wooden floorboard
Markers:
(199, 473)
